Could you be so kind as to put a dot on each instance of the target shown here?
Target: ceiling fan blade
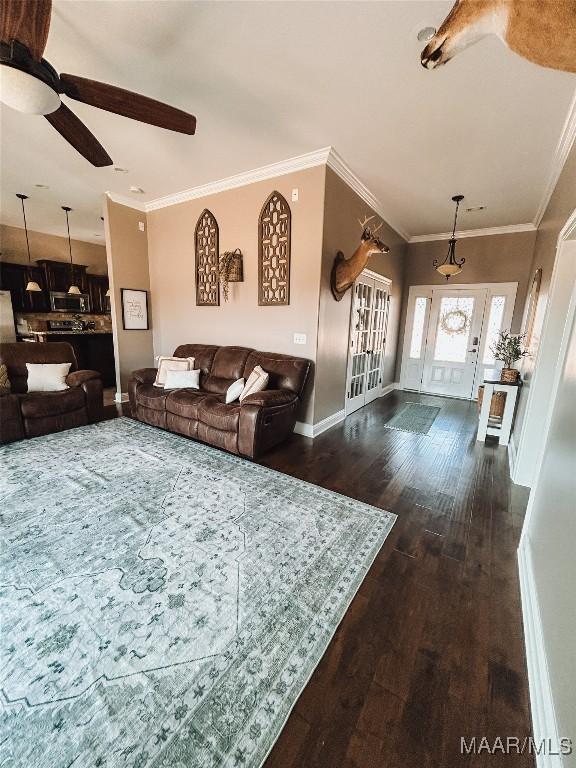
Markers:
(76, 133)
(27, 21)
(128, 104)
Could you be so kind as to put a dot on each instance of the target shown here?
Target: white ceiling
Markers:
(272, 80)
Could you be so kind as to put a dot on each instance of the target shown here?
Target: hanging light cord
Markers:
(69, 242)
(25, 228)
(455, 218)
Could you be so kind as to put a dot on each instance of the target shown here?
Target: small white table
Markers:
(493, 384)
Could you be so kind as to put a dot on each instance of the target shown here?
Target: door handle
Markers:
(472, 350)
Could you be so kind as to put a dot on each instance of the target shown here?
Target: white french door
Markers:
(449, 334)
(368, 325)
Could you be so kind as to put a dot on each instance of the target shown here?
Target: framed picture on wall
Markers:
(531, 340)
(134, 309)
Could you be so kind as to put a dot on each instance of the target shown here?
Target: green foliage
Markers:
(508, 348)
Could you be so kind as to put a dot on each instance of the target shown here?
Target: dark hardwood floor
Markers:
(431, 649)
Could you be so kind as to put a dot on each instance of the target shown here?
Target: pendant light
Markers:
(73, 287)
(451, 266)
(31, 285)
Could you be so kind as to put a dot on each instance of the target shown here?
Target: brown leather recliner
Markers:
(249, 428)
(30, 414)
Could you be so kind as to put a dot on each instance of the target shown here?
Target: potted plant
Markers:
(230, 269)
(508, 349)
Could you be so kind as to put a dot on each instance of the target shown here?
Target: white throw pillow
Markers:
(182, 379)
(166, 364)
(257, 381)
(235, 390)
(47, 377)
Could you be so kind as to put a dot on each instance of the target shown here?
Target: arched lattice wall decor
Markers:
(274, 252)
(207, 278)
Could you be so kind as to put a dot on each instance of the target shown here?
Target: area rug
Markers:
(163, 602)
(414, 417)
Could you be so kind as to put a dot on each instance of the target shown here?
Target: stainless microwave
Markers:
(69, 302)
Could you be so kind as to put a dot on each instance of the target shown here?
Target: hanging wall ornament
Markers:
(207, 277)
(274, 235)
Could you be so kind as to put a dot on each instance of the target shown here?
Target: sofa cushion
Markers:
(41, 404)
(185, 403)
(229, 362)
(203, 355)
(151, 397)
(218, 415)
(285, 372)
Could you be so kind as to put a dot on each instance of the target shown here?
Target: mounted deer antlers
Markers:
(543, 32)
(345, 271)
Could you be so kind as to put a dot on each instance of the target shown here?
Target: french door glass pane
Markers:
(418, 327)
(497, 305)
(453, 330)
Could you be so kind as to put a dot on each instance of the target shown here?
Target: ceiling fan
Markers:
(30, 84)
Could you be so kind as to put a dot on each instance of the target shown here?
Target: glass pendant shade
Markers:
(27, 93)
(32, 285)
(74, 289)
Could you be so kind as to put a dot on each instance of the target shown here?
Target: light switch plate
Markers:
(141, 226)
(299, 338)
(295, 195)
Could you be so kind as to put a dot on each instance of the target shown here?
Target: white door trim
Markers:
(425, 291)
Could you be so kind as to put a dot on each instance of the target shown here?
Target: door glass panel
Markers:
(497, 305)
(418, 327)
(453, 332)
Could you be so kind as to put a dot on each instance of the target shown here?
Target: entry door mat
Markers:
(414, 417)
(163, 603)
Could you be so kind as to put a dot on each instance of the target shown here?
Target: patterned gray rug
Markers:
(163, 603)
(414, 417)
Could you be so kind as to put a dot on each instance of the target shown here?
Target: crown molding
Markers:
(325, 156)
(337, 164)
(300, 163)
(565, 142)
(508, 229)
(128, 201)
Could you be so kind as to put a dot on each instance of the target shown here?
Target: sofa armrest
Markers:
(145, 375)
(77, 378)
(270, 398)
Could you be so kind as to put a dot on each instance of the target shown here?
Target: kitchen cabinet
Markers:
(14, 278)
(97, 287)
(59, 276)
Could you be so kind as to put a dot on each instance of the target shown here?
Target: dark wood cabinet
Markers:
(15, 277)
(59, 276)
(94, 352)
(97, 288)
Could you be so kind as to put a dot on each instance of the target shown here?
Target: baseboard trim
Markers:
(544, 723)
(313, 430)
(121, 397)
(390, 388)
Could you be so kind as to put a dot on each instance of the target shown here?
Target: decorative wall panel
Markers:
(274, 252)
(207, 277)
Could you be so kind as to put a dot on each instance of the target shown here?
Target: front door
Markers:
(452, 348)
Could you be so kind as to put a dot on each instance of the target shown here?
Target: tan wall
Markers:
(341, 232)
(178, 320)
(560, 207)
(128, 267)
(489, 259)
(13, 249)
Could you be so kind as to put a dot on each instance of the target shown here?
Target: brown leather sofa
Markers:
(30, 414)
(249, 428)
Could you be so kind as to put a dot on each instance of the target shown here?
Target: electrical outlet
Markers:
(299, 338)
(295, 195)
(141, 226)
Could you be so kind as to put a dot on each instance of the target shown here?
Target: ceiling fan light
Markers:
(32, 285)
(74, 289)
(26, 93)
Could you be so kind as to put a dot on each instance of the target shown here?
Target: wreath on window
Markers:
(454, 322)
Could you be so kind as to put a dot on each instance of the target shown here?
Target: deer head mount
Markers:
(345, 271)
(543, 32)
